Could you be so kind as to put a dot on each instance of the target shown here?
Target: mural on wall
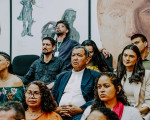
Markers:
(26, 16)
(46, 13)
(118, 20)
(69, 16)
(48, 30)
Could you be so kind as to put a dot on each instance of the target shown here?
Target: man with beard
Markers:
(47, 66)
(64, 45)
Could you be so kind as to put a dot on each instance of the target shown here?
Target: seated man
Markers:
(47, 67)
(12, 110)
(73, 90)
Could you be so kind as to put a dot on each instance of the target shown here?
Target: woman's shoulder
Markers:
(147, 72)
(147, 75)
(17, 82)
(130, 112)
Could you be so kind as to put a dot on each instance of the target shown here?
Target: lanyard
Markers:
(58, 46)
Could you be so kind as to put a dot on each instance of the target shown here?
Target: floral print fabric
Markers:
(11, 93)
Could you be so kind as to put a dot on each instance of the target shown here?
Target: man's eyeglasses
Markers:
(35, 95)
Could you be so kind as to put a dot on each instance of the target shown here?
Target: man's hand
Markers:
(68, 110)
(105, 53)
(74, 110)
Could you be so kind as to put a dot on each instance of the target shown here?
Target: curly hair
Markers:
(8, 58)
(138, 71)
(110, 115)
(48, 103)
(116, 82)
(96, 58)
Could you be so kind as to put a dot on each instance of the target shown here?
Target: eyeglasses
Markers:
(35, 95)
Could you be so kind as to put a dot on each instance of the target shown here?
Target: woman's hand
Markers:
(144, 110)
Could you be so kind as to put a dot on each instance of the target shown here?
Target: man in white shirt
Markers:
(73, 90)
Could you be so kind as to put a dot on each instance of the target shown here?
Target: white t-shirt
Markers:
(72, 92)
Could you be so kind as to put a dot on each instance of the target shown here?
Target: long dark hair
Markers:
(138, 71)
(96, 58)
(116, 82)
(8, 58)
(48, 103)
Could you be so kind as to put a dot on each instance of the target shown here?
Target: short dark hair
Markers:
(50, 39)
(8, 58)
(66, 25)
(85, 50)
(144, 39)
(48, 103)
(110, 115)
(14, 105)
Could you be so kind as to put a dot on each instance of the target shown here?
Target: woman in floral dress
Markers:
(11, 87)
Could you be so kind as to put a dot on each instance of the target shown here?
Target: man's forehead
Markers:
(78, 50)
(60, 24)
(136, 39)
(8, 115)
(46, 40)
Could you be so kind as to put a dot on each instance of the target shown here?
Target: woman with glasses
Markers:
(11, 87)
(96, 63)
(135, 79)
(39, 103)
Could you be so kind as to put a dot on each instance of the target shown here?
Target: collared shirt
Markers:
(146, 62)
(72, 93)
(45, 72)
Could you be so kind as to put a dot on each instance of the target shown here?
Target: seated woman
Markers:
(109, 93)
(102, 113)
(135, 79)
(39, 102)
(11, 87)
(96, 63)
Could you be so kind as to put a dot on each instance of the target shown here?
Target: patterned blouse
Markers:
(11, 94)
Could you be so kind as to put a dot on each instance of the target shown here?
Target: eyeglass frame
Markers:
(30, 94)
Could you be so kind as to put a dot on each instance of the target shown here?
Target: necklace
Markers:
(33, 115)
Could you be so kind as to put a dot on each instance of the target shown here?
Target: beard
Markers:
(47, 53)
(59, 34)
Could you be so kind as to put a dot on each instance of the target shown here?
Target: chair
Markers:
(22, 63)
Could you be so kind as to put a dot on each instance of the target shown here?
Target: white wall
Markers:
(94, 24)
(5, 26)
(43, 12)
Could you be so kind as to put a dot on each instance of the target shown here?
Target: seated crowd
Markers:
(75, 82)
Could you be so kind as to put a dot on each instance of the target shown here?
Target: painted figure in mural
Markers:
(118, 20)
(69, 16)
(49, 29)
(26, 16)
